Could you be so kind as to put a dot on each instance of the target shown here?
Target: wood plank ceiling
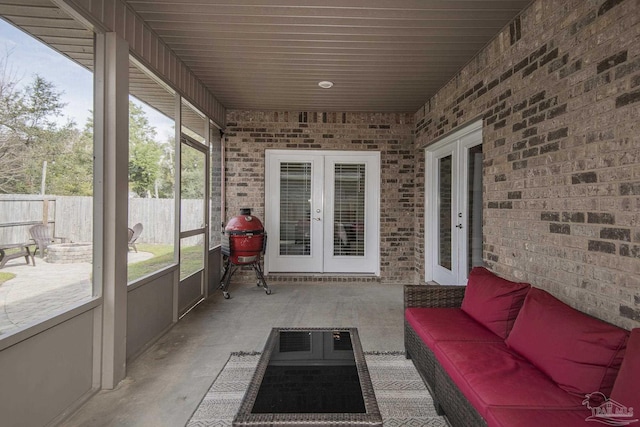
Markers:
(381, 55)
(45, 21)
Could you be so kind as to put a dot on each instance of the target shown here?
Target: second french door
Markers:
(322, 211)
(453, 214)
(193, 223)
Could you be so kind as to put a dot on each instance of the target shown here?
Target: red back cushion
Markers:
(626, 389)
(493, 301)
(580, 353)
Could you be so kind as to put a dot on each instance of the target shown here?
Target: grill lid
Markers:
(244, 224)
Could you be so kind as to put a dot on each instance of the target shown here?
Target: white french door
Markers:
(453, 212)
(322, 211)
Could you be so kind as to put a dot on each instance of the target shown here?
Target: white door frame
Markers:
(456, 143)
(323, 209)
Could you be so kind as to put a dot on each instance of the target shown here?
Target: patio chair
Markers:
(134, 233)
(41, 235)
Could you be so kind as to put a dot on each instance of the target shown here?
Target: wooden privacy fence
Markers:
(72, 217)
(19, 212)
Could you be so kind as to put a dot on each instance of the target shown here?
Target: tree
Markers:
(192, 173)
(166, 178)
(10, 146)
(40, 103)
(71, 174)
(145, 153)
(31, 133)
(28, 133)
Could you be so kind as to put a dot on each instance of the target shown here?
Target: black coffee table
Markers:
(311, 377)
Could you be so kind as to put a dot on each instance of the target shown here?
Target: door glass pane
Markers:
(295, 208)
(474, 212)
(191, 255)
(444, 211)
(192, 188)
(349, 210)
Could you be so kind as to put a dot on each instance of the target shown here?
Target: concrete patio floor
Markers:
(45, 290)
(166, 383)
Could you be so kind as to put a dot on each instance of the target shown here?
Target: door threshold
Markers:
(323, 277)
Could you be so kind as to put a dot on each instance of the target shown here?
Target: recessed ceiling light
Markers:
(325, 84)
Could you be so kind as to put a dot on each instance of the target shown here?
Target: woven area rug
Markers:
(401, 395)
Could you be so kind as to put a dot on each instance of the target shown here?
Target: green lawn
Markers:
(6, 276)
(192, 261)
(163, 257)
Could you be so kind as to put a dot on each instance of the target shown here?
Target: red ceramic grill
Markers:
(243, 243)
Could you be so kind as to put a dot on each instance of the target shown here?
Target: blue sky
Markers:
(28, 57)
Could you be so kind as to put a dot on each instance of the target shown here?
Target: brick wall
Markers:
(250, 133)
(559, 92)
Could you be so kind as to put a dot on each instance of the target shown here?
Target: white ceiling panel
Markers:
(381, 55)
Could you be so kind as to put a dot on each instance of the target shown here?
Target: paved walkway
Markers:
(45, 290)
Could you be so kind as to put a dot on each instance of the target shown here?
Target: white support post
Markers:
(112, 133)
(177, 197)
(207, 203)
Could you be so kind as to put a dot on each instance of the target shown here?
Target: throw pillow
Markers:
(580, 353)
(626, 389)
(493, 301)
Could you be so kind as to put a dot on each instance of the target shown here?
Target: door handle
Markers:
(317, 219)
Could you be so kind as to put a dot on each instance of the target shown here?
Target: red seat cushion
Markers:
(525, 417)
(493, 301)
(580, 353)
(626, 389)
(446, 324)
(489, 374)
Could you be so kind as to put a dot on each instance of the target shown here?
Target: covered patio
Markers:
(382, 143)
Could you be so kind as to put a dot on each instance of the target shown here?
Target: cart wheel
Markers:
(226, 295)
(268, 291)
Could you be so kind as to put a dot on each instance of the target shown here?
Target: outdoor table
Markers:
(23, 250)
(313, 377)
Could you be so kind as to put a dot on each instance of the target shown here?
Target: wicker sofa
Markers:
(520, 357)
